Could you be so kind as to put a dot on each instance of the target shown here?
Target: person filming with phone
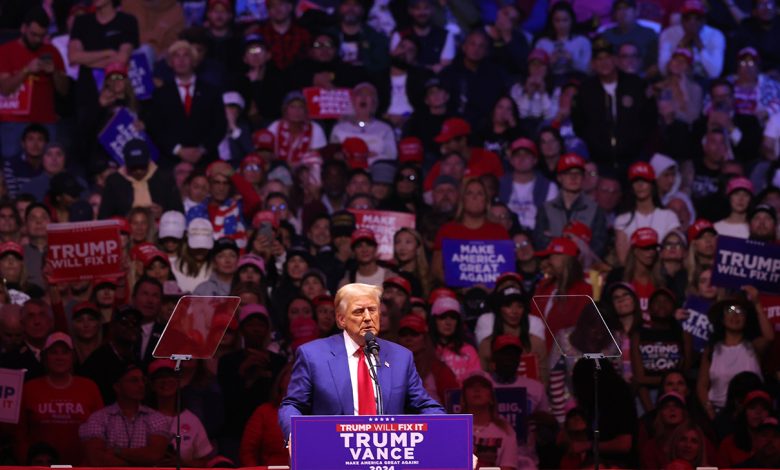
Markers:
(32, 73)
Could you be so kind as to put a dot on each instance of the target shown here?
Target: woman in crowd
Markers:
(313, 284)
(564, 278)
(643, 209)
(526, 264)
(687, 443)
(536, 98)
(224, 264)
(471, 223)
(621, 306)
(157, 266)
(569, 52)
(551, 147)
(672, 262)
(513, 319)
(703, 240)
(251, 268)
(407, 185)
(296, 264)
(297, 138)
(194, 265)
(55, 405)
(437, 378)
(657, 347)
(700, 295)
(741, 333)
(740, 193)
(495, 442)
(642, 269)
(680, 88)
(449, 336)
(195, 446)
(12, 268)
(739, 445)
(409, 255)
(671, 413)
(502, 127)
(325, 314)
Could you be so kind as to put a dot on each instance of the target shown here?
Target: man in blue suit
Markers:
(326, 375)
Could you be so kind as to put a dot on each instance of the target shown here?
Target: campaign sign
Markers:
(384, 224)
(140, 74)
(119, 131)
(84, 250)
(11, 382)
(740, 262)
(17, 103)
(698, 324)
(389, 442)
(471, 262)
(512, 403)
(328, 104)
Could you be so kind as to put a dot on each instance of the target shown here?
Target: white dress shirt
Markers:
(352, 360)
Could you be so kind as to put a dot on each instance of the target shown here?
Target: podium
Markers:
(385, 442)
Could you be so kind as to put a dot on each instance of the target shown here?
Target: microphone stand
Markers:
(178, 358)
(373, 365)
(596, 431)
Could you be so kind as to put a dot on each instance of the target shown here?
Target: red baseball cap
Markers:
(115, 68)
(525, 144)
(569, 161)
(11, 247)
(161, 364)
(559, 246)
(263, 139)
(414, 323)
(251, 310)
(641, 171)
(363, 234)
(579, 230)
(757, 395)
(322, 299)
(355, 152)
(148, 256)
(504, 341)
(451, 129)
(539, 54)
(410, 150)
(85, 307)
(252, 159)
(399, 282)
(644, 237)
(740, 182)
(265, 216)
(692, 6)
(507, 276)
(100, 281)
(440, 292)
(224, 3)
(698, 228)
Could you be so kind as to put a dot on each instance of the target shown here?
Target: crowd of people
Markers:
(612, 141)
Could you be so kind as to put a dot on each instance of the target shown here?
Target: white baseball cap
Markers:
(233, 98)
(172, 224)
(200, 234)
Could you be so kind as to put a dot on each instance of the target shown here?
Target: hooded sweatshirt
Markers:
(661, 163)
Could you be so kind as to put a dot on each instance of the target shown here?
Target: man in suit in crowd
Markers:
(330, 375)
(187, 117)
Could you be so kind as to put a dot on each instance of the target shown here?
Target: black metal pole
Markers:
(596, 414)
(177, 370)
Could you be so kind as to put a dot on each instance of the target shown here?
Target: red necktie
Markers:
(366, 401)
(187, 98)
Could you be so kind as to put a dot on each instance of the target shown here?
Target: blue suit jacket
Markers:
(320, 382)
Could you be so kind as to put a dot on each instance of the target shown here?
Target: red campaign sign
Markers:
(328, 104)
(384, 224)
(17, 103)
(84, 250)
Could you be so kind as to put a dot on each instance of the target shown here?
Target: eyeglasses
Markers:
(255, 50)
(734, 310)
(747, 63)
(672, 245)
(322, 44)
(116, 77)
(278, 207)
(522, 244)
(252, 167)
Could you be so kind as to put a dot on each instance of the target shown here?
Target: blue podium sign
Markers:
(419, 442)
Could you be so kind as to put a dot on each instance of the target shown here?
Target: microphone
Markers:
(372, 347)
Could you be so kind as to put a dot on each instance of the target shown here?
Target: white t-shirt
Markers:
(495, 447)
(732, 230)
(772, 132)
(521, 201)
(484, 326)
(189, 283)
(399, 102)
(662, 221)
(194, 440)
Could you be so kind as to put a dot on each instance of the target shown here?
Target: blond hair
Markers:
(356, 289)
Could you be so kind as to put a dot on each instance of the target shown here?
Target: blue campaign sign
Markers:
(119, 131)
(512, 403)
(698, 324)
(472, 262)
(740, 262)
(381, 442)
(140, 74)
